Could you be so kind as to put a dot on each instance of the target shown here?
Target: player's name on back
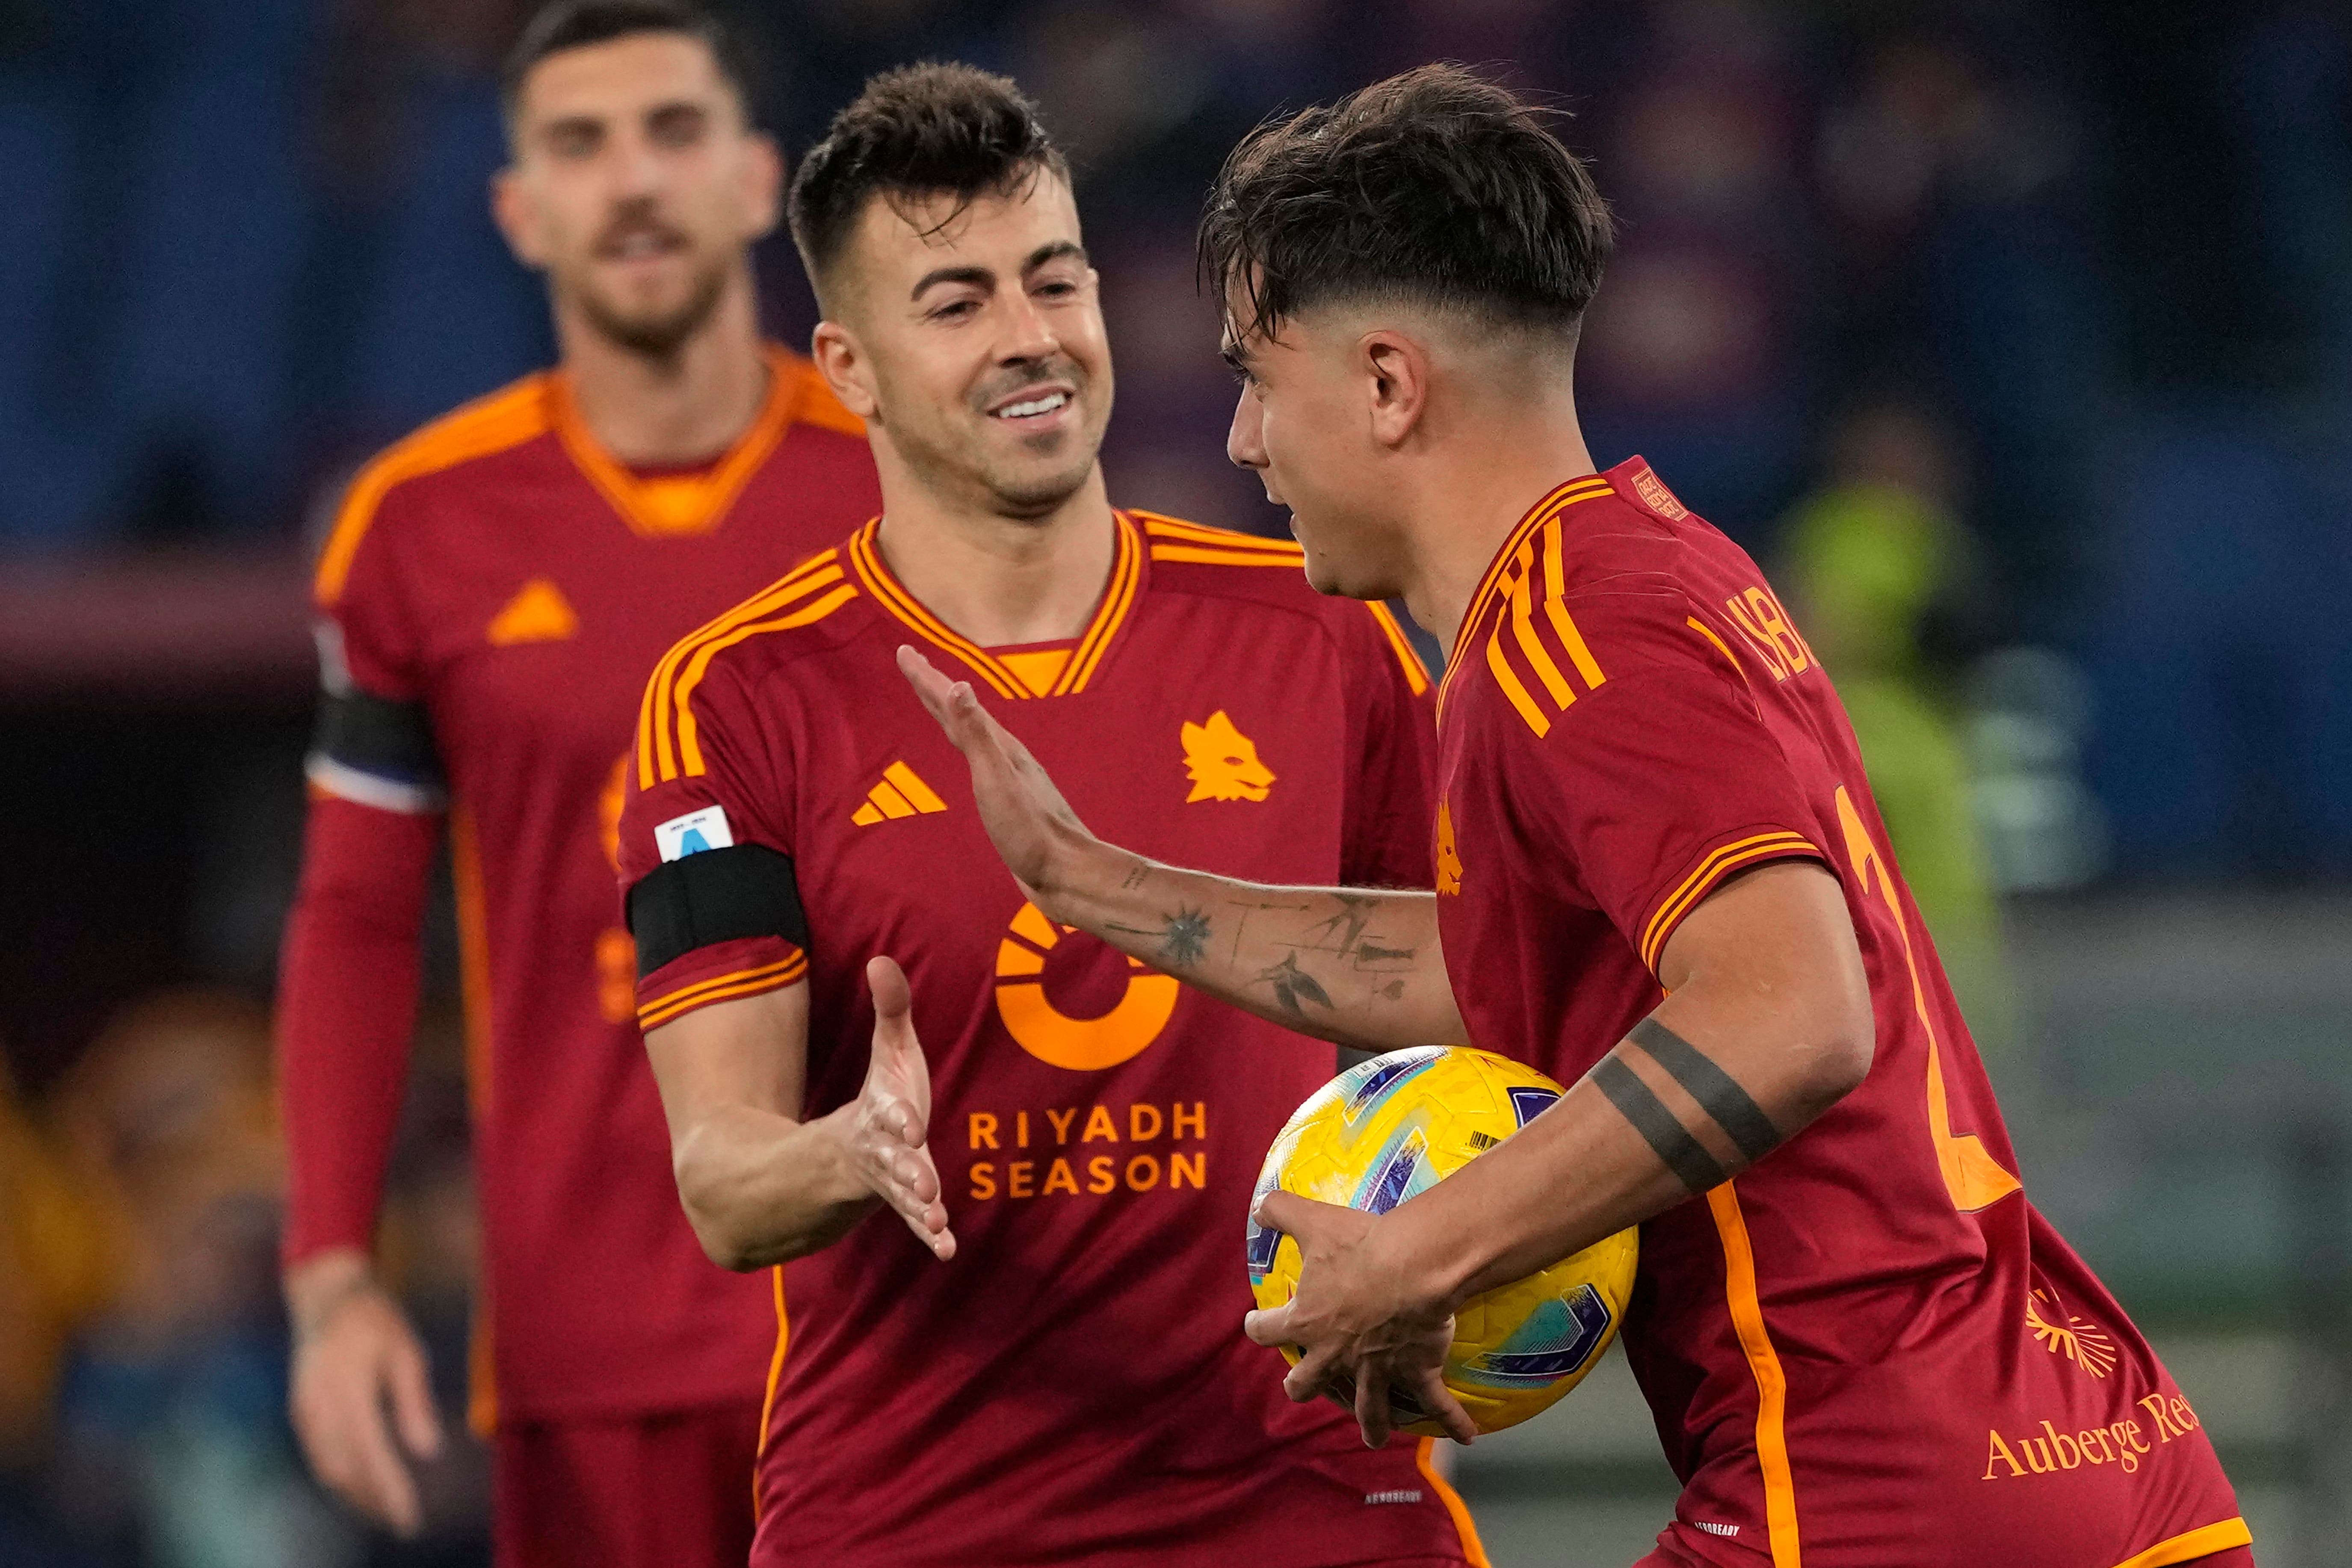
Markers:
(1088, 1170)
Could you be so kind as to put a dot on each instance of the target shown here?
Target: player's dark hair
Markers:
(1435, 187)
(917, 132)
(576, 24)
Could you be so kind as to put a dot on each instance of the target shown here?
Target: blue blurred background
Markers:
(2014, 339)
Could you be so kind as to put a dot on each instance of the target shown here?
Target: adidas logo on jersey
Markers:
(900, 793)
(538, 613)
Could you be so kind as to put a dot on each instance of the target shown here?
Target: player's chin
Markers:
(1038, 486)
(1334, 576)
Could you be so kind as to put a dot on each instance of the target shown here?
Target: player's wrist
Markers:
(1430, 1266)
(320, 1288)
(1087, 878)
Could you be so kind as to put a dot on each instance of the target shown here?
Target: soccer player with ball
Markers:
(1053, 1378)
(1660, 879)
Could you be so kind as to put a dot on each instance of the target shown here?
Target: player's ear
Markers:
(1395, 373)
(842, 363)
(763, 180)
(510, 205)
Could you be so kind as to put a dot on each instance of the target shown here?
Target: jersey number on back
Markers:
(1971, 1175)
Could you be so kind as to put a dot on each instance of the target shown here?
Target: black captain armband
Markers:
(377, 752)
(714, 896)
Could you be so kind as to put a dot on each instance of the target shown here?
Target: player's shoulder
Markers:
(796, 616)
(1260, 575)
(721, 668)
(479, 431)
(1608, 577)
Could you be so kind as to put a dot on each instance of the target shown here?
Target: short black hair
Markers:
(575, 24)
(927, 130)
(1435, 187)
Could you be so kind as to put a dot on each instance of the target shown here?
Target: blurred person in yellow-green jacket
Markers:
(1870, 555)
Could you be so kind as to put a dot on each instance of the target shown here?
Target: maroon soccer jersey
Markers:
(1870, 1348)
(1074, 1386)
(492, 595)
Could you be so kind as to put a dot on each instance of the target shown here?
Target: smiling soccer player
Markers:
(1661, 879)
(1052, 1377)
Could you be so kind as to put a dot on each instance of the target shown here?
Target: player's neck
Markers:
(1001, 582)
(685, 407)
(1472, 492)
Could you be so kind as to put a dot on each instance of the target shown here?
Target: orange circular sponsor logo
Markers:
(1044, 1031)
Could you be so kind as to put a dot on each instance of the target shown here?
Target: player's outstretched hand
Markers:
(1031, 824)
(355, 1353)
(891, 1123)
(1355, 1327)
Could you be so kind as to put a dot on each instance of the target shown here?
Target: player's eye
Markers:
(955, 309)
(574, 139)
(679, 126)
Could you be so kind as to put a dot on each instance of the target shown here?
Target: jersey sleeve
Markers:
(1660, 780)
(1392, 754)
(705, 848)
(374, 744)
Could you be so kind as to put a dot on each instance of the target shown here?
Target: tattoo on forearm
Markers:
(1182, 937)
(1136, 877)
(1292, 986)
(1717, 1092)
(1685, 1156)
(1186, 939)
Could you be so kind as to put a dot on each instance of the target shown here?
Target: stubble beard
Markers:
(659, 335)
(947, 466)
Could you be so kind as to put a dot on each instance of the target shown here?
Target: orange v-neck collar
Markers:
(1585, 487)
(668, 506)
(1086, 651)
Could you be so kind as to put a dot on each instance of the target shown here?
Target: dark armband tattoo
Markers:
(714, 896)
(1685, 1156)
(1717, 1092)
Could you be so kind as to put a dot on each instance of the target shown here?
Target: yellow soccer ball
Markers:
(1398, 1125)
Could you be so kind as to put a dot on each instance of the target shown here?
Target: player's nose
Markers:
(1245, 442)
(1028, 334)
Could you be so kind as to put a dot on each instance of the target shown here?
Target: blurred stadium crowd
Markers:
(2019, 341)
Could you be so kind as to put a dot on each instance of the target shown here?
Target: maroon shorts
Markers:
(658, 1492)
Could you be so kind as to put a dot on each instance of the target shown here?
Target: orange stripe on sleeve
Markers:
(1711, 870)
(725, 988)
(1764, 1363)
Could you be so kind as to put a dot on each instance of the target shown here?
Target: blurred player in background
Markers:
(1056, 1380)
(491, 596)
(1661, 879)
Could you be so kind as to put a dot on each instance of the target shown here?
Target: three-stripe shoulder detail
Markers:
(1534, 649)
(668, 738)
(507, 417)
